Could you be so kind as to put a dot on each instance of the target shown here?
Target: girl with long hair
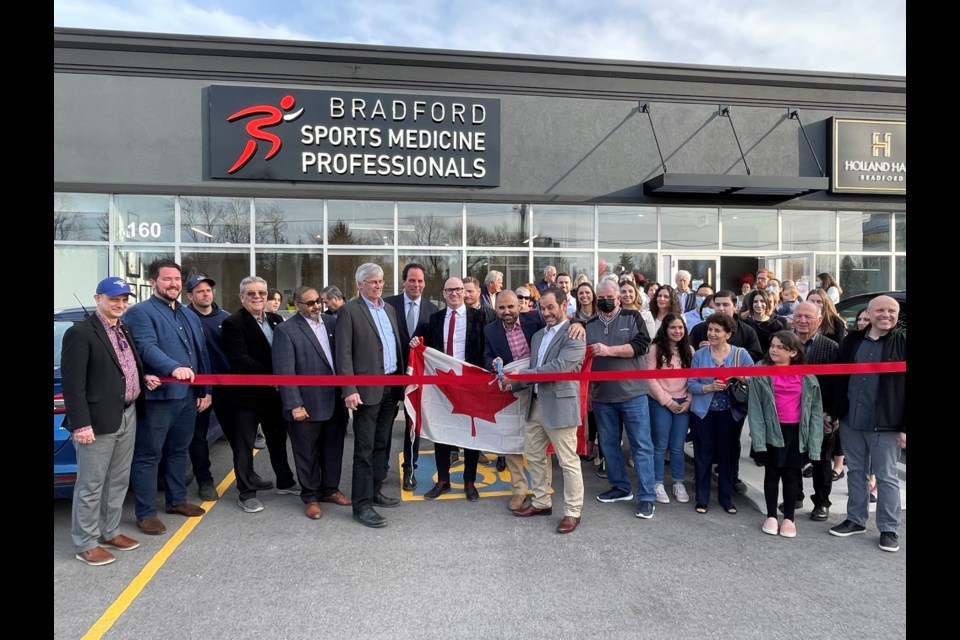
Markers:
(833, 325)
(663, 302)
(786, 421)
(826, 282)
(669, 404)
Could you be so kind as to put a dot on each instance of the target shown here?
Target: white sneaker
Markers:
(680, 492)
(661, 493)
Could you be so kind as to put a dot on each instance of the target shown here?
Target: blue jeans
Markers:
(876, 451)
(165, 433)
(669, 431)
(634, 416)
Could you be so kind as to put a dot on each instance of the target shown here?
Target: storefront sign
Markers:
(255, 133)
(869, 156)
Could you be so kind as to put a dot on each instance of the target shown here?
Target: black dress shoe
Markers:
(501, 463)
(409, 481)
(438, 489)
(471, 490)
(808, 471)
(370, 518)
(380, 500)
(820, 513)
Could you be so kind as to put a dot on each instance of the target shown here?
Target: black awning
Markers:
(687, 184)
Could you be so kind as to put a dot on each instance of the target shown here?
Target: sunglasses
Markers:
(524, 297)
(310, 303)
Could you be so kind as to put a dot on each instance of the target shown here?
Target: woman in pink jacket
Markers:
(669, 403)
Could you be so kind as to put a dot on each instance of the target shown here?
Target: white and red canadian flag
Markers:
(470, 411)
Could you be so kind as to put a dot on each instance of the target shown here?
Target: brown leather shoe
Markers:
(312, 509)
(531, 510)
(568, 524)
(338, 498)
(96, 557)
(152, 526)
(120, 542)
(516, 502)
(186, 509)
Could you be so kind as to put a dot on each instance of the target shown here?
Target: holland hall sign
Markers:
(255, 133)
(869, 156)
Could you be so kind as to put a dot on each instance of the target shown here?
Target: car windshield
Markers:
(59, 328)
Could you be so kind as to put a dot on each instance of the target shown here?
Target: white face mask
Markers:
(819, 285)
(706, 312)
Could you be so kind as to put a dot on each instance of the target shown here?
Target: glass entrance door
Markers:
(702, 268)
(798, 267)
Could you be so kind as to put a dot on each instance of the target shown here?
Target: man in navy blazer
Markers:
(316, 416)
(171, 344)
(412, 310)
(461, 338)
(247, 343)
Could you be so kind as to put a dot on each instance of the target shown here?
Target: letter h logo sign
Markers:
(881, 144)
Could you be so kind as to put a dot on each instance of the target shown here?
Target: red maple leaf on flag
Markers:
(475, 400)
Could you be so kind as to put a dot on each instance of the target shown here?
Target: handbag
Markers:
(738, 390)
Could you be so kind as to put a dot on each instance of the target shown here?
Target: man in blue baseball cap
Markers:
(100, 361)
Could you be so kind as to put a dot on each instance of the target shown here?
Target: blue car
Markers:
(64, 455)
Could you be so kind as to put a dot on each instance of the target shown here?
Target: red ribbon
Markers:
(588, 376)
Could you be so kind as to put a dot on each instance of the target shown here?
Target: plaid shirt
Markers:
(517, 341)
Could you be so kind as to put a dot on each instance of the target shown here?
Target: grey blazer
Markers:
(559, 401)
(297, 351)
(359, 351)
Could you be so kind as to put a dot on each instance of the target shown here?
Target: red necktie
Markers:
(453, 324)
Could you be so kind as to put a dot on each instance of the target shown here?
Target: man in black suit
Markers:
(102, 378)
(412, 311)
(471, 298)
(316, 416)
(492, 285)
(684, 294)
(368, 344)
(247, 339)
(458, 332)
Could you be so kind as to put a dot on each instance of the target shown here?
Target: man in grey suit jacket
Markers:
(368, 344)
(554, 413)
(316, 416)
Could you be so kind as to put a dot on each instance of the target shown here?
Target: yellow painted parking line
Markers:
(142, 579)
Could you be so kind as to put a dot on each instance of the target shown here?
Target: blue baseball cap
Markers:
(197, 279)
(114, 287)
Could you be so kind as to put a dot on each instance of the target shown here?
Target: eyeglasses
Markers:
(311, 303)
(524, 297)
(373, 283)
(255, 294)
(453, 291)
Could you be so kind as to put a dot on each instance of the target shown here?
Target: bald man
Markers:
(872, 411)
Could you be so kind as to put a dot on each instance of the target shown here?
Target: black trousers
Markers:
(199, 448)
(318, 454)
(822, 473)
(372, 427)
(772, 478)
(470, 459)
(240, 426)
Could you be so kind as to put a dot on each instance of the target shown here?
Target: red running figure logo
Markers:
(271, 117)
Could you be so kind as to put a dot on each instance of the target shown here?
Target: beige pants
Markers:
(564, 441)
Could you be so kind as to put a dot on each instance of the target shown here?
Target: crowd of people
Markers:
(130, 427)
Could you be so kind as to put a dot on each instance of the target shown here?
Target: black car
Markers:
(849, 308)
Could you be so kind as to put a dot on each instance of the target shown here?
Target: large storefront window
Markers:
(81, 216)
(513, 266)
(900, 220)
(359, 222)
(809, 231)
(567, 262)
(288, 221)
(145, 219)
(215, 220)
(901, 281)
(430, 224)
(695, 229)
(132, 263)
(498, 225)
(616, 263)
(633, 227)
(562, 226)
(864, 231)
(288, 269)
(226, 267)
(76, 272)
(749, 229)
(863, 274)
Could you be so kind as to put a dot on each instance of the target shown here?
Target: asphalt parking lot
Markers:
(454, 569)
